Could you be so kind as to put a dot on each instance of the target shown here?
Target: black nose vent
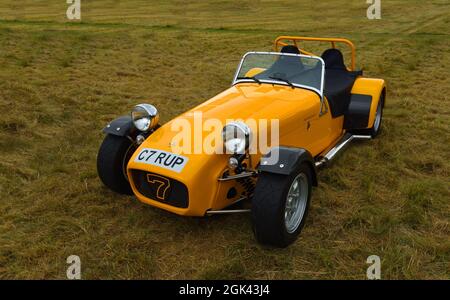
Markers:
(160, 188)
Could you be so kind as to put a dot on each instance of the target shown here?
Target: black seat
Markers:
(286, 66)
(290, 49)
(338, 82)
(333, 59)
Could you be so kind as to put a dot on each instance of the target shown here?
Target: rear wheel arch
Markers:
(365, 95)
(383, 93)
(379, 94)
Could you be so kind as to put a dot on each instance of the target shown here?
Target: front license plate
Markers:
(163, 159)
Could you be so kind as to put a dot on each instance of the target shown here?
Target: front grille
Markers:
(161, 188)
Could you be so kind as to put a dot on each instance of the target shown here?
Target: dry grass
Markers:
(60, 83)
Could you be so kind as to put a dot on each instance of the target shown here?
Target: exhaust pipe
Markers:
(342, 144)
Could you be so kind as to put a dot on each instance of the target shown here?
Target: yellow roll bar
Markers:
(282, 41)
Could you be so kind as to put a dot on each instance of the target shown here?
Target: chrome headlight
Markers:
(236, 137)
(145, 117)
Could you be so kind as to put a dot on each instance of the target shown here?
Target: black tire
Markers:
(376, 128)
(269, 203)
(112, 160)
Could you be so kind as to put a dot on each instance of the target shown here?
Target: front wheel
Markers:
(280, 206)
(112, 160)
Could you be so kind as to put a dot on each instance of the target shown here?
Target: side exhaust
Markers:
(341, 145)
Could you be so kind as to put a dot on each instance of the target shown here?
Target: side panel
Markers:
(369, 87)
(310, 130)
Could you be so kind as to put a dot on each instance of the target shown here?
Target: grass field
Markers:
(61, 82)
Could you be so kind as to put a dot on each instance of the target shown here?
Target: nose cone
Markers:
(194, 131)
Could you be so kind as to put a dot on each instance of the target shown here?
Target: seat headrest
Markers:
(290, 49)
(333, 59)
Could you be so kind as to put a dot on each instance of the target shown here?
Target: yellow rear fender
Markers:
(366, 94)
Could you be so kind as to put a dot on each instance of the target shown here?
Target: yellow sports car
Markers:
(213, 159)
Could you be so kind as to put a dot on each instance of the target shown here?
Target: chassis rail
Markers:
(341, 145)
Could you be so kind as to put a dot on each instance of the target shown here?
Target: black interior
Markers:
(292, 69)
(338, 81)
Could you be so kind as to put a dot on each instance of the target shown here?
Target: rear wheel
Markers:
(280, 206)
(112, 160)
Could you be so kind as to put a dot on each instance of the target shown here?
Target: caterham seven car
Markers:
(321, 105)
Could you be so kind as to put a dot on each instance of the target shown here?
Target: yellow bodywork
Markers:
(301, 125)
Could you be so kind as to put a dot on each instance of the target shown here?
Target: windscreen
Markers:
(299, 71)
